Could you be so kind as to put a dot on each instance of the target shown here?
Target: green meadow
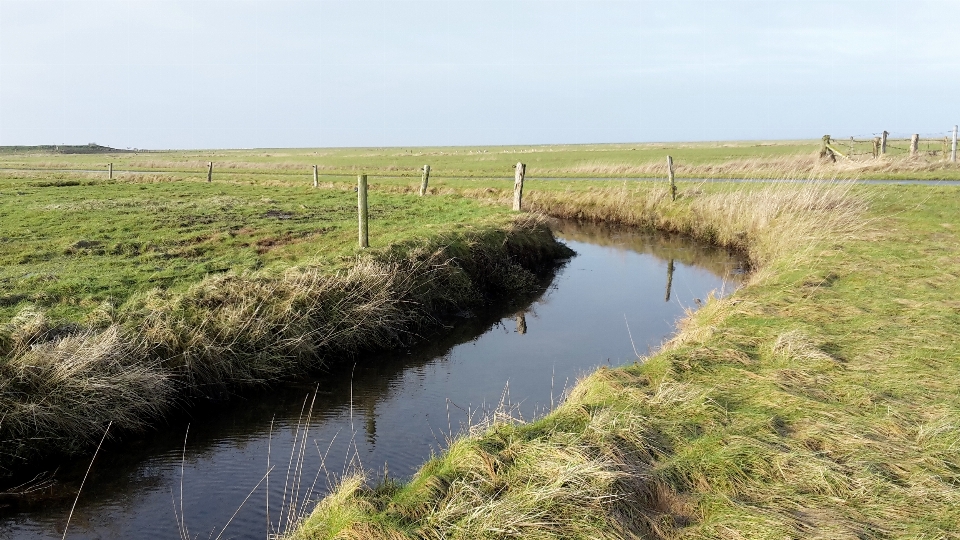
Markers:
(819, 400)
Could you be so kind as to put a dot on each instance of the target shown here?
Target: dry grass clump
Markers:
(582, 472)
(785, 166)
(60, 384)
(59, 393)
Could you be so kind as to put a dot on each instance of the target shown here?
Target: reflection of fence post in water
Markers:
(521, 323)
(371, 423)
(669, 280)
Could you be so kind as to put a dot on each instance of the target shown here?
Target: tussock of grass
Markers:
(62, 383)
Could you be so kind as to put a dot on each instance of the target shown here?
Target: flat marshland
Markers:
(822, 399)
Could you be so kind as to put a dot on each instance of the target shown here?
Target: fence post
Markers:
(914, 144)
(362, 210)
(316, 177)
(673, 184)
(851, 147)
(953, 147)
(876, 147)
(210, 171)
(424, 179)
(518, 185)
(883, 143)
(110, 171)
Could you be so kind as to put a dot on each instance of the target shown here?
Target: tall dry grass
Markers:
(60, 384)
(786, 166)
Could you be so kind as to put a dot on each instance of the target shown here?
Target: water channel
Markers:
(624, 291)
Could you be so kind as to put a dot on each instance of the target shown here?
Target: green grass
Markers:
(71, 244)
(122, 299)
(821, 400)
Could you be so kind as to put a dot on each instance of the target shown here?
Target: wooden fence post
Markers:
(362, 210)
(110, 171)
(673, 183)
(316, 177)
(953, 147)
(518, 185)
(210, 171)
(883, 143)
(424, 179)
(876, 147)
(851, 146)
(914, 144)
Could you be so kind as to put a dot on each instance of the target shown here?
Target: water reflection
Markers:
(670, 268)
(383, 411)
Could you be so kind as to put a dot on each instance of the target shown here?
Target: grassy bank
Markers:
(730, 159)
(820, 400)
(124, 299)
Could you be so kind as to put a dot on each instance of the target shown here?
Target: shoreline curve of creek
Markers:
(61, 384)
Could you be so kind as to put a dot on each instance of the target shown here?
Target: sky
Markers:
(326, 73)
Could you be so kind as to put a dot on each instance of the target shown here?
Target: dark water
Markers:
(398, 409)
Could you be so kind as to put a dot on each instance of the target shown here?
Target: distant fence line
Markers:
(880, 144)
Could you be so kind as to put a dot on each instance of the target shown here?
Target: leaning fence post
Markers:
(110, 171)
(673, 184)
(362, 210)
(210, 171)
(518, 185)
(953, 147)
(316, 177)
(914, 144)
(883, 142)
(424, 179)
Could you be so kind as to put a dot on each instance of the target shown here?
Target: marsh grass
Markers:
(818, 401)
(60, 383)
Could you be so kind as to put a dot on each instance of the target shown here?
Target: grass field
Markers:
(744, 159)
(820, 400)
(122, 299)
(71, 245)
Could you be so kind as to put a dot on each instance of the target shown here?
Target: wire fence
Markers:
(935, 145)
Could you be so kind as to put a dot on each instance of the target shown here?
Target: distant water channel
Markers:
(398, 409)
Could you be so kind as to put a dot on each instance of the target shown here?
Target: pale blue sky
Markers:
(271, 73)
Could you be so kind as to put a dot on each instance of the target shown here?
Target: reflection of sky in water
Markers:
(404, 404)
